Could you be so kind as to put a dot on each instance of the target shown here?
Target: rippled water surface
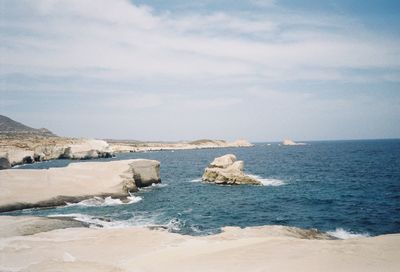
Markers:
(351, 186)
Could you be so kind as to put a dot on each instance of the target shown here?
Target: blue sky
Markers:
(179, 70)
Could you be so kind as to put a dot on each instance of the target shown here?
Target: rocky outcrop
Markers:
(137, 146)
(42, 149)
(145, 172)
(290, 142)
(15, 156)
(4, 163)
(87, 149)
(241, 143)
(227, 170)
(27, 188)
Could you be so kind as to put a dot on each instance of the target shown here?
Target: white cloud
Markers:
(130, 41)
(190, 75)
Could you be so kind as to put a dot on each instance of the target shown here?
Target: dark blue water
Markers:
(354, 185)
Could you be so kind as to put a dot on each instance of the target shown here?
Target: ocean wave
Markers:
(344, 234)
(159, 185)
(92, 221)
(152, 221)
(102, 222)
(174, 225)
(268, 181)
(108, 201)
(153, 186)
(195, 180)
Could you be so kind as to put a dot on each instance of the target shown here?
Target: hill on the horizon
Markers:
(11, 127)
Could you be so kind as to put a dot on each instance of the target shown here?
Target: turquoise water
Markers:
(349, 185)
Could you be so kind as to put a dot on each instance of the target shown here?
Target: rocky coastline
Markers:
(48, 244)
(25, 149)
(76, 182)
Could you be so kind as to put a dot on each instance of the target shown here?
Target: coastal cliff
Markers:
(22, 188)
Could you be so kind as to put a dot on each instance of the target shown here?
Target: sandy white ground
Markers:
(270, 248)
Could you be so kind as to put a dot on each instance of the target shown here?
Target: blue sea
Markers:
(347, 188)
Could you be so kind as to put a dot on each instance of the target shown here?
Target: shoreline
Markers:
(75, 182)
(265, 248)
(23, 149)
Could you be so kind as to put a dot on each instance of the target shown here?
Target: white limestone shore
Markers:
(268, 248)
(23, 149)
(23, 188)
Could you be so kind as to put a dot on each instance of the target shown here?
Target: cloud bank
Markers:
(206, 74)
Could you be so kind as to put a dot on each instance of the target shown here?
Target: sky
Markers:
(263, 70)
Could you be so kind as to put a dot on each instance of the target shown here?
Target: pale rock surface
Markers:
(135, 146)
(4, 163)
(28, 188)
(28, 225)
(18, 156)
(223, 161)
(87, 149)
(268, 248)
(31, 150)
(226, 170)
(241, 143)
(290, 142)
(146, 172)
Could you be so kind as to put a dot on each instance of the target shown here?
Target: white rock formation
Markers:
(290, 142)
(17, 156)
(87, 149)
(27, 188)
(227, 170)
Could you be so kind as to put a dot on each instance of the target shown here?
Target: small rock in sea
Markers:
(227, 170)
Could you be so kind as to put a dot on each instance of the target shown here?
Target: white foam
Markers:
(268, 181)
(98, 222)
(108, 201)
(195, 180)
(159, 185)
(343, 234)
(153, 186)
(174, 225)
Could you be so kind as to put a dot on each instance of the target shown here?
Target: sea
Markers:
(345, 188)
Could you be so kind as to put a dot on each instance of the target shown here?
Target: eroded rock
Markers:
(74, 183)
(227, 170)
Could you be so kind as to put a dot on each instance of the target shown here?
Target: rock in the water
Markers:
(227, 170)
(241, 143)
(290, 142)
(223, 161)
